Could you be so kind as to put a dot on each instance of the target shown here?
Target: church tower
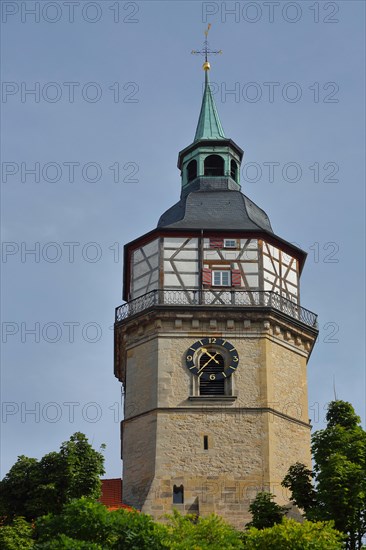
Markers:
(212, 344)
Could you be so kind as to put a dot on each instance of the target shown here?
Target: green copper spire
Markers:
(209, 125)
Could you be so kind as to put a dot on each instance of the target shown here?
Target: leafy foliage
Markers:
(265, 511)
(339, 453)
(291, 535)
(85, 524)
(16, 535)
(210, 533)
(299, 481)
(33, 488)
(88, 522)
(63, 542)
(85, 520)
(80, 467)
(20, 488)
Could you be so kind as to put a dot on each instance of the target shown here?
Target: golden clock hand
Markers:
(212, 356)
(205, 365)
(209, 361)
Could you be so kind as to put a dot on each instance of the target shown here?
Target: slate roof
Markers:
(219, 210)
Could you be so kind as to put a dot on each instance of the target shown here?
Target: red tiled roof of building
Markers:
(112, 494)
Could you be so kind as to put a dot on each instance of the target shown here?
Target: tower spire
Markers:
(209, 125)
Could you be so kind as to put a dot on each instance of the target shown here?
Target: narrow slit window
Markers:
(205, 442)
(178, 494)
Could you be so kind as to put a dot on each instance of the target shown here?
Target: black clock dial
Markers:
(212, 358)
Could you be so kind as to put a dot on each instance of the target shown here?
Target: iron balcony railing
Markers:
(232, 298)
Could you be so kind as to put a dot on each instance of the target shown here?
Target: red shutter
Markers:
(235, 277)
(206, 276)
(216, 243)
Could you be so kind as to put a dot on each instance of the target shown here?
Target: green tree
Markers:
(80, 467)
(265, 511)
(210, 533)
(291, 535)
(339, 453)
(299, 480)
(16, 535)
(33, 488)
(86, 522)
(18, 488)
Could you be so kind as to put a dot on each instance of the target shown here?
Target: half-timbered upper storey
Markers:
(217, 264)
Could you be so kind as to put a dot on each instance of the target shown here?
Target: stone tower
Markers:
(211, 345)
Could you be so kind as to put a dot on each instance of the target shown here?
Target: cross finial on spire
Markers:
(206, 51)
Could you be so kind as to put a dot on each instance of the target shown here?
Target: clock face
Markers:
(212, 358)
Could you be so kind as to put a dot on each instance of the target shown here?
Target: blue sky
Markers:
(125, 92)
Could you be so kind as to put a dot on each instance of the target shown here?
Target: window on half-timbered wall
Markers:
(230, 243)
(223, 243)
(239, 256)
(221, 277)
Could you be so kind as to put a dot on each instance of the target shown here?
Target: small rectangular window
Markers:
(178, 494)
(230, 243)
(205, 442)
(221, 278)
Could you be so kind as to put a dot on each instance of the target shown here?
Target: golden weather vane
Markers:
(206, 51)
